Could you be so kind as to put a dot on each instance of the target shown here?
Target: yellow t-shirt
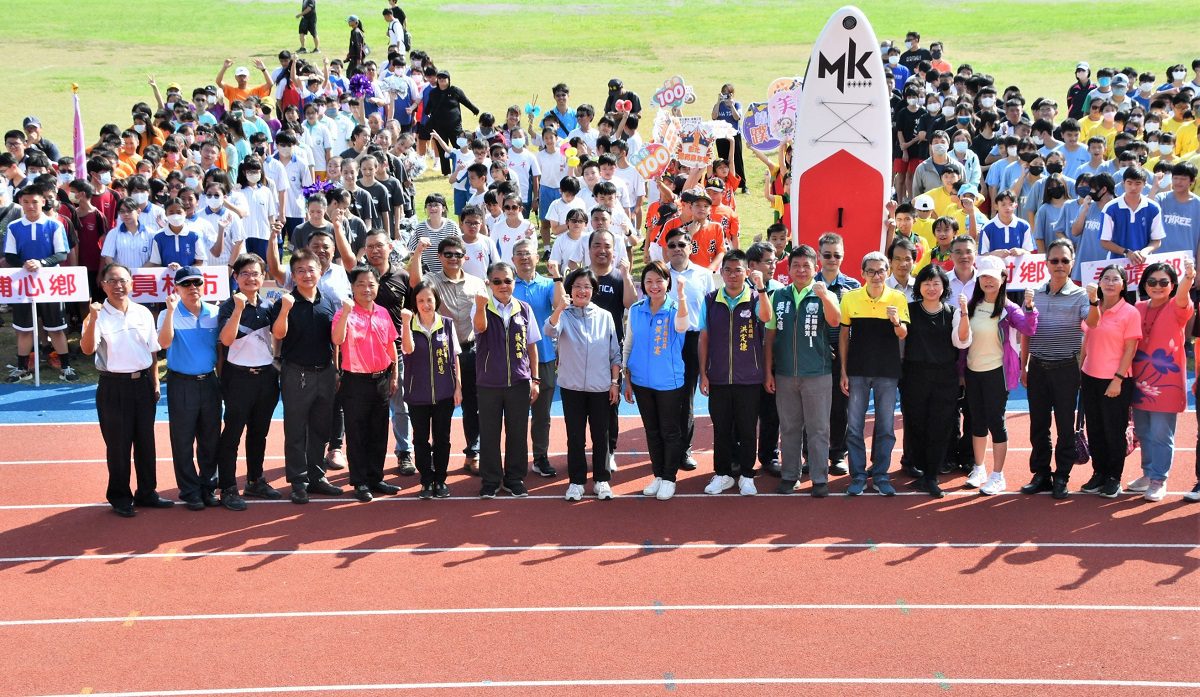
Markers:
(1186, 140)
(941, 200)
(1086, 126)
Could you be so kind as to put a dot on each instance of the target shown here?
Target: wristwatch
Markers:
(615, 383)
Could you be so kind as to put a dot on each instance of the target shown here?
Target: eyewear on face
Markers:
(874, 272)
(1158, 283)
(512, 208)
(1058, 261)
(250, 274)
(190, 284)
(502, 281)
(678, 245)
(830, 255)
(453, 255)
(118, 281)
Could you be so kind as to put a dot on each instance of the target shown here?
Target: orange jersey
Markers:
(728, 220)
(708, 242)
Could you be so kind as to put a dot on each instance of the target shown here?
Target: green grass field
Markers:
(505, 53)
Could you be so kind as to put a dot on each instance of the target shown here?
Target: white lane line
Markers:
(604, 609)
(621, 547)
(666, 681)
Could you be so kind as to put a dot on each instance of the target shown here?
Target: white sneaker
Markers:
(1139, 485)
(746, 486)
(665, 490)
(977, 477)
(612, 462)
(602, 490)
(995, 484)
(575, 492)
(653, 488)
(719, 483)
(1155, 491)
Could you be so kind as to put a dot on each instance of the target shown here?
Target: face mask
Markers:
(236, 113)
(1054, 167)
(106, 178)
(912, 102)
(1178, 74)
(518, 143)
(461, 142)
(1109, 116)
(936, 54)
(1011, 150)
(939, 149)
(893, 60)
(176, 220)
(141, 198)
(72, 197)
(987, 102)
(1151, 127)
(964, 121)
(948, 111)
(285, 151)
(1056, 192)
(66, 178)
(907, 45)
(191, 182)
(1146, 87)
(253, 177)
(1104, 81)
(1120, 91)
(1036, 170)
(934, 108)
(1083, 191)
(1037, 140)
(139, 128)
(960, 146)
(1166, 148)
(214, 202)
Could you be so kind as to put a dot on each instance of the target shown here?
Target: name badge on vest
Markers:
(441, 336)
(745, 314)
(518, 320)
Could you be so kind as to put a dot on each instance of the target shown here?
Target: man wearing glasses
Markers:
(458, 291)
(832, 251)
(698, 283)
(874, 321)
(1050, 371)
(187, 329)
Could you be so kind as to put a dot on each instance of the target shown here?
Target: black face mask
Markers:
(936, 54)
(1036, 170)
(1054, 168)
(1056, 192)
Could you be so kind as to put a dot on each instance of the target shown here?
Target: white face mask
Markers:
(191, 182)
(939, 149)
(106, 178)
(1037, 140)
(1146, 87)
(1166, 148)
(912, 102)
(139, 128)
(1011, 150)
(1151, 127)
(253, 177)
(176, 220)
(893, 60)
(960, 146)
(211, 99)
(214, 202)
(907, 45)
(141, 198)
(1179, 74)
(66, 178)
(987, 102)
(948, 111)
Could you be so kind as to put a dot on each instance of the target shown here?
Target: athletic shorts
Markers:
(51, 315)
(308, 25)
(546, 196)
(899, 166)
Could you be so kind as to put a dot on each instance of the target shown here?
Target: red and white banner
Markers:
(1090, 271)
(154, 284)
(52, 284)
(1027, 271)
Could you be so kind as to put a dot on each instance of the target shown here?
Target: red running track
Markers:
(698, 596)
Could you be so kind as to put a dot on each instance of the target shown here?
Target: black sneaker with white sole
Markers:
(1093, 485)
(488, 491)
(543, 468)
(1194, 494)
(1111, 489)
(517, 489)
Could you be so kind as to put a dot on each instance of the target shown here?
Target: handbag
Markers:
(1082, 452)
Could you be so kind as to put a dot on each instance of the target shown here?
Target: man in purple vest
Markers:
(506, 336)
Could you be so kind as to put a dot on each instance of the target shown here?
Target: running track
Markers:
(701, 595)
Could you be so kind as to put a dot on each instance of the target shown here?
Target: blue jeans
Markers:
(884, 437)
(399, 408)
(1156, 431)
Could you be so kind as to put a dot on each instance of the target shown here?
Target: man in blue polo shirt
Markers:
(540, 292)
(187, 329)
(181, 243)
(1132, 225)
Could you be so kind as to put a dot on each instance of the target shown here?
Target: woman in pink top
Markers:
(1160, 372)
(1111, 334)
(366, 337)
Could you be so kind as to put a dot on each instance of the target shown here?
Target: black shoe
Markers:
(911, 471)
(773, 468)
(966, 467)
(1040, 482)
(689, 464)
(803, 469)
(931, 487)
(488, 491)
(947, 468)
(194, 504)
(786, 487)
(1111, 489)
(819, 491)
(441, 491)
(471, 465)
(259, 489)
(1059, 490)
(210, 499)
(543, 468)
(385, 488)
(124, 510)
(426, 492)
(231, 500)
(324, 488)
(362, 492)
(517, 489)
(299, 493)
(838, 468)
(1093, 485)
(155, 501)
(406, 467)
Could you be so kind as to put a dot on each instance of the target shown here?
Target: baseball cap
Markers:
(615, 83)
(443, 73)
(242, 72)
(714, 183)
(968, 190)
(1120, 79)
(990, 266)
(923, 203)
(1083, 65)
(31, 121)
(699, 194)
(175, 86)
(188, 273)
(352, 18)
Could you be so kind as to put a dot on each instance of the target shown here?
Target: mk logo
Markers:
(845, 67)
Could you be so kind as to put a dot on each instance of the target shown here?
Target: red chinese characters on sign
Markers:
(153, 285)
(1091, 271)
(1027, 271)
(53, 284)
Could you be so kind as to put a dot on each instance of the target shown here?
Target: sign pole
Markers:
(37, 363)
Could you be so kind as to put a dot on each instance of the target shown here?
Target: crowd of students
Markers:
(522, 286)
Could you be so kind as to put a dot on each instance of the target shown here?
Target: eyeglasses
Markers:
(250, 274)
(830, 255)
(678, 245)
(512, 208)
(874, 272)
(1158, 283)
(1056, 261)
(502, 281)
(118, 281)
(453, 255)
(193, 283)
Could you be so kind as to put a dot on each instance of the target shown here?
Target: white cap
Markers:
(242, 72)
(923, 203)
(990, 266)
(1083, 65)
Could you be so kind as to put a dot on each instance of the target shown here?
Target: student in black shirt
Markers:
(913, 53)
(614, 293)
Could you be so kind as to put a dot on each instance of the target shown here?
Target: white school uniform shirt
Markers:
(553, 166)
(567, 251)
(480, 254)
(395, 32)
(293, 177)
(590, 136)
(153, 216)
(526, 167)
(130, 249)
(633, 181)
(317, 138)
(263, 205)
(624, 195)
(233, 232)
(126, 342)
(558, 209)
(506, 237)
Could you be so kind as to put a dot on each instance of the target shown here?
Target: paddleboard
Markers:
(841, 156)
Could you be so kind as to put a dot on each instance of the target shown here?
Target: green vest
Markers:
(801, 347)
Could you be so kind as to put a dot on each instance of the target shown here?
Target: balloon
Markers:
(572, 161)
(533, 110)
(624, 105)
(570, 152)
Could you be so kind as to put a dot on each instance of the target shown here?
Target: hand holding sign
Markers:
(674, 93)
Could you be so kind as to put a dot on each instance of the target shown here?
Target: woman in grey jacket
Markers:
(589, 364)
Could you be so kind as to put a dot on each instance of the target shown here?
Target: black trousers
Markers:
(614, 418)
(987, 393)
(691, 378)
(723, 152)
(662, 412)
(962, 451)
(308, 397)
(250, 400)
(837, 414)
(1053, 391)
(586, 411)
(734, 411)
(507, 407)
(768, 428)
(928, 399)
(365, 403)
(195, 423)
(470, 400)
(125, 409)
(431, 439)
(1107, 418)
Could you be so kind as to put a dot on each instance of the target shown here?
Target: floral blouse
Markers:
(1160, 366)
